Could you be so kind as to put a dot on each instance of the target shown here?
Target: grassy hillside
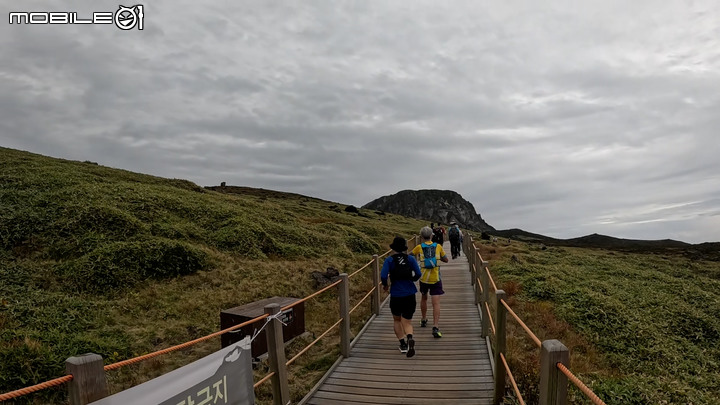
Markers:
(641, 328)
(94, 259)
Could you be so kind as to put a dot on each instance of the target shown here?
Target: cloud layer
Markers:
(559, 118)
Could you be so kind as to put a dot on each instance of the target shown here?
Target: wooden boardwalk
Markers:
(454, 369)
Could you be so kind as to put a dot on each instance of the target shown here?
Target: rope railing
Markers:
(311, 344)
(582, 387)
(522, 324)
(361, 268)
(36, 387)
(492, 324)
(492, 282)
(313, 295)
(512, 380)
(180, 346)
(363, 299)
(479, 284)
(267, 377)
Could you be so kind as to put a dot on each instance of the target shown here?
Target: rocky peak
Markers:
(439, 206)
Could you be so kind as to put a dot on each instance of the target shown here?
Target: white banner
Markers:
(224, 377)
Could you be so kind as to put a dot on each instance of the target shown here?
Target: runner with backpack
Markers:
(455, 238)
(428, 253)
(403, 271)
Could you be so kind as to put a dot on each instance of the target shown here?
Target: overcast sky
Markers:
(560, 118)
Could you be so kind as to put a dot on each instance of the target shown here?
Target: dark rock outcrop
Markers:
(439, 206)
(331, 275)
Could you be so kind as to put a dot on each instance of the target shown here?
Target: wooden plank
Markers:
(446, 365)
(340, 398)
(418, 361)
(330, 398)
(457, 374)
(409, 383)
(437, 379)
(407, 393)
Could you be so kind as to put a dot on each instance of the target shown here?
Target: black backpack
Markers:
(402, 270)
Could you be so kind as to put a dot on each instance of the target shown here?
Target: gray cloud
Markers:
(560, 120)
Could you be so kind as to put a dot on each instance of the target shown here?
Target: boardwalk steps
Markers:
(454, 369)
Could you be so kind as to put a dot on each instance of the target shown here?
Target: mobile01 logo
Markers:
(125, 18)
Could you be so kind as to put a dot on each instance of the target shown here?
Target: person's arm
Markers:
(385, 272)
(443, 256)
(416, 252)
(416, 268)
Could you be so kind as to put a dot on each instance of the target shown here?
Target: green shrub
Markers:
(121, 265)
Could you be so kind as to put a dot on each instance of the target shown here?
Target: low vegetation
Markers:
(641, 328)
(94, 259)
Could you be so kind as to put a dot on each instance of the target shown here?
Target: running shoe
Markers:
(404, 347)
(411, 347)
(423, 323)
(436, 332)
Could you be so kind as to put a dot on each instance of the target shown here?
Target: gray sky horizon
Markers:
(560, 118)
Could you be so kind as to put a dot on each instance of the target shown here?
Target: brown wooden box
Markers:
(234, 316)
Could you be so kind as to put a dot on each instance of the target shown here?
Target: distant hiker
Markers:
(455, 237)
(438, 235)
(428, 254)
(403, 271)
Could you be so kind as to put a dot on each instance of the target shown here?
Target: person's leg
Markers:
(398, 326)
(424, 288)
(406, 325)
(436, 292)
(408, 311)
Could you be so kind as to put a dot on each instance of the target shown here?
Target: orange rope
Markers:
(491, 279)
(361, 268)
(386, 253)
(512, 380)
(492, 324)
(363, 299)
(587, 391)
(529, 332)
(479, 284)
(180, 346)
(313, 343)
(36, 387)
(313, 295)
(212, 335)
(267, 377)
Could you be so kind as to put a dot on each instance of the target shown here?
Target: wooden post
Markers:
(344, 297)
(473, 274)
(499, 347)
(478, 289)
(276, 357)
(553, 383)
(471, 255)
(375, 298)
(88, 383)
(485, 298)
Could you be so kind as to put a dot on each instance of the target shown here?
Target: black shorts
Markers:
(435, 289)
(403, 306)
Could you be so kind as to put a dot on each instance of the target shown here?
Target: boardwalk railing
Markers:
(86, 374)
(554, 356)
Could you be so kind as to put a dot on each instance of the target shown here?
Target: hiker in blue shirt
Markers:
(403, 271)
